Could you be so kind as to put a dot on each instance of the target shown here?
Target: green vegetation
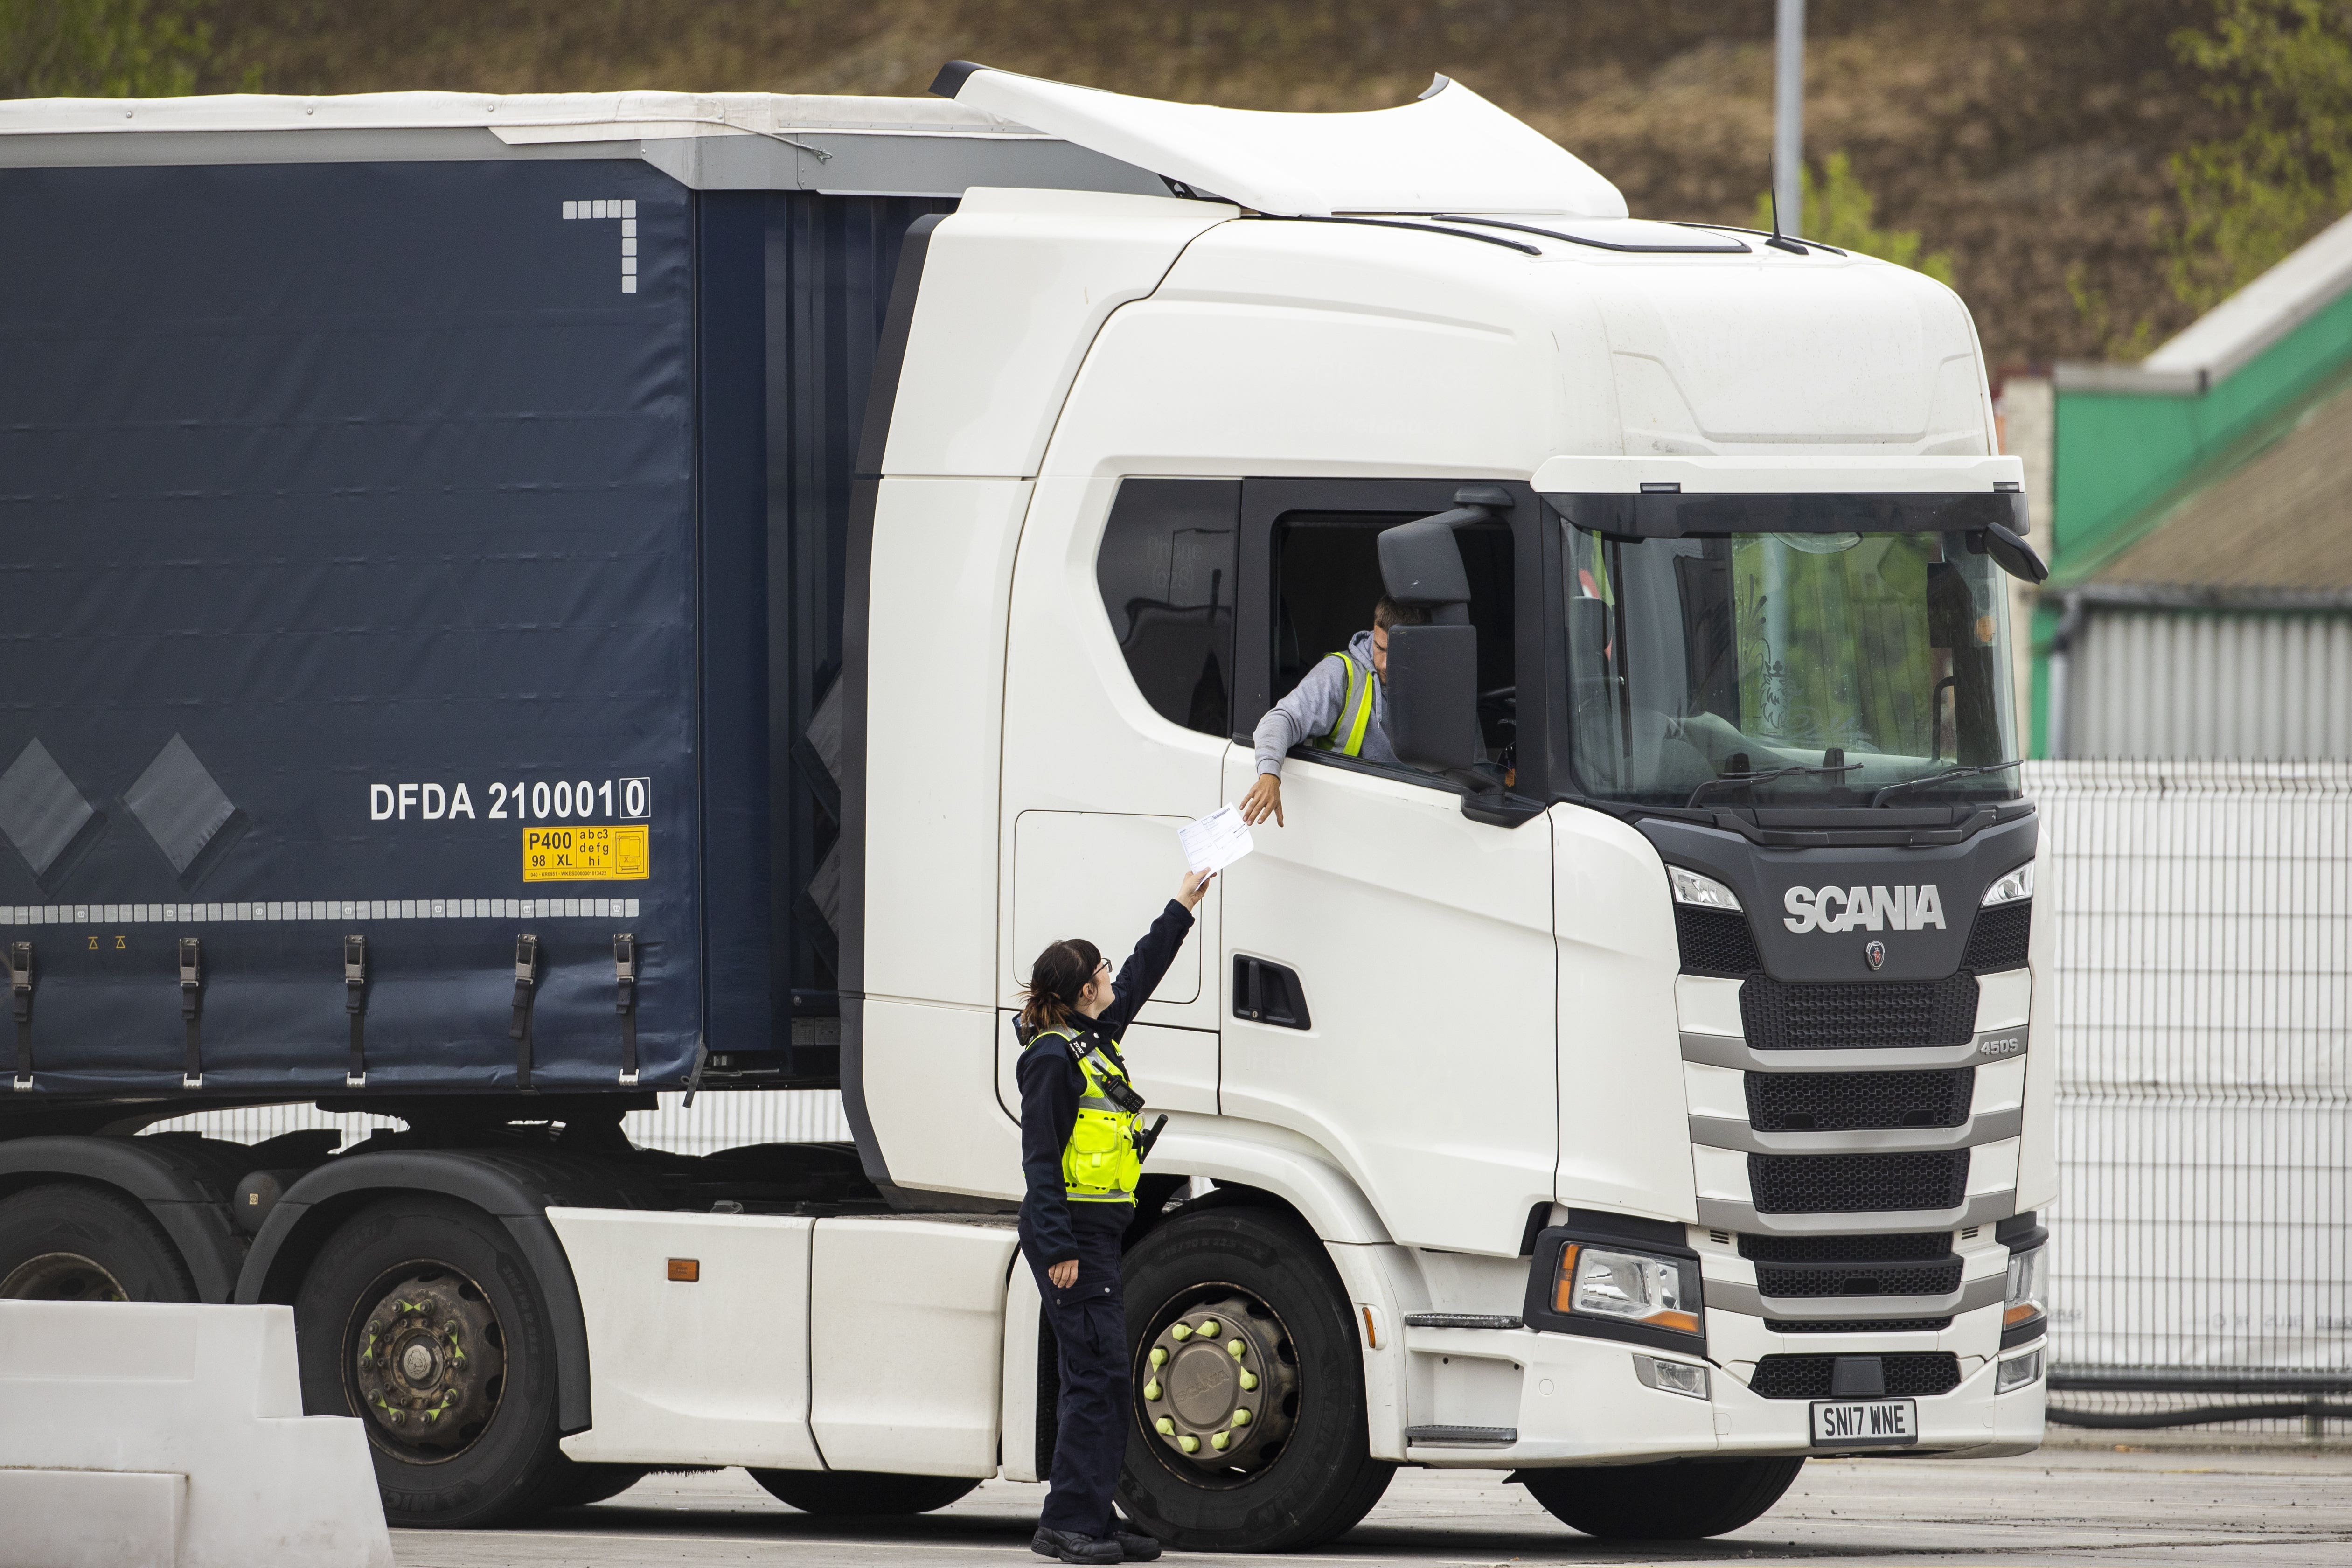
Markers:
(1841, 211)
(2283, 70)
(101, 48)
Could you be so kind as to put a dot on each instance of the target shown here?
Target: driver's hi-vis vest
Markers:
(1346, 735)
(1099, 1164)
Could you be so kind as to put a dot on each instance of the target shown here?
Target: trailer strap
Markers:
(525, 985)
(192, 1007)
(355, 1003)
(20, 998)
(625, 974)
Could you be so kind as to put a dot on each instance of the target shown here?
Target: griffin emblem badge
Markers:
(1876, 951)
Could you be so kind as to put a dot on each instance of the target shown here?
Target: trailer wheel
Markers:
(1683, 1499)
(68, 1241)
(869, 1492)
(421, 1317)
(1279, 1378)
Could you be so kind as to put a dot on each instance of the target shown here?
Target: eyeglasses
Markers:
(1104, 967)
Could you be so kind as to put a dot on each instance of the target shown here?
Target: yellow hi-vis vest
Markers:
(1346, 735)
(1099, 1164)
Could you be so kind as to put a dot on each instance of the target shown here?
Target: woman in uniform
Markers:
(1078, 1124)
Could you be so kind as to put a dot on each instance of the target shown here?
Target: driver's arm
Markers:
(1310, 709)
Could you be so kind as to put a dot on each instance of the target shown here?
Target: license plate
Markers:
(1865, 1423)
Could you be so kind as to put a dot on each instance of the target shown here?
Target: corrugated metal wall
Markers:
(2187, 683)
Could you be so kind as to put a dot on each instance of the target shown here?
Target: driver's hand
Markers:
(1264, 800)
(1064, 1274)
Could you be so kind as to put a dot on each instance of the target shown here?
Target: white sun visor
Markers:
(1450, 152)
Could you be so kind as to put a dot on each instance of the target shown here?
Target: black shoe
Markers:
(1137, 1546)
(1068, 1546)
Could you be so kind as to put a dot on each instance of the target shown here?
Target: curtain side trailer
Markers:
(518, 605)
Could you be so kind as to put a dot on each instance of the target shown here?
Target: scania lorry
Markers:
(512, 605)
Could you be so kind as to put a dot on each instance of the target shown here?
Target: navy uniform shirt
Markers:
(1051, 1084)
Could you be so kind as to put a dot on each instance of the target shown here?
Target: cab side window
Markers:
(1166, 571)
(1326, 580)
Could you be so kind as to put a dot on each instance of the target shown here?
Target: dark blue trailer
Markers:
(421, 580)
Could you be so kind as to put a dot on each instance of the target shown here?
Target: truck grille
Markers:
(1859, 1326)
(1857, 1184)
(1999, 937)
(1715, 941)
(1913, 1249)
(1843, 1101)
(1859, 1279)
(1780, 1015)
(1910, 1375)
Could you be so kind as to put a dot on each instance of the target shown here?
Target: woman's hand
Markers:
(1195, 883)
(1064, 1274)
(1264, 800)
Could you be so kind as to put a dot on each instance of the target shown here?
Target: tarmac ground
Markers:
(2275, 1506)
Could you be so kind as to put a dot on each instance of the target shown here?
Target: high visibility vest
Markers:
(1099, 1163)
(1346, 735)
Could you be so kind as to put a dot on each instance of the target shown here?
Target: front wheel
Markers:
(1681, 1500)
(421, 1317)
(1249, 1387)
(867, 1493)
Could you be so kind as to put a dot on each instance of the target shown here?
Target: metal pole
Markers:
(1789, 116)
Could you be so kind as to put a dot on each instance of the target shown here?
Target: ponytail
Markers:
(1050, 1000)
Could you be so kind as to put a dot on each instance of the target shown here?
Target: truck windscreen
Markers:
(1839, 663)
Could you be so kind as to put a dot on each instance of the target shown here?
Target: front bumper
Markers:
(1582, 1402)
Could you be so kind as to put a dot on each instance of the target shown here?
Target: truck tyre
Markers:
(1683, 1499)
(421, 1317)
(1261, 1447)
(867, 1492)
(68, 1241)
(575, 1485)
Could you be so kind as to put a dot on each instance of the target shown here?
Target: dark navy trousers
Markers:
(1089, 1322)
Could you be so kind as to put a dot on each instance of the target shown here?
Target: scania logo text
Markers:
(1904, 908)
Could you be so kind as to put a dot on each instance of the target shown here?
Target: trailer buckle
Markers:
(625, 976)
(526, 970)
(20, 998)
(355, 1003)
(192, 1007)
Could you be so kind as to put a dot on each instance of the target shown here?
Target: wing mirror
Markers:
(1432, 670)
(2014, 555)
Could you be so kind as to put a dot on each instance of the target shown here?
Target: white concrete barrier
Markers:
(148, 1436)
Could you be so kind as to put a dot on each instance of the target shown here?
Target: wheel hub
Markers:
(60, 1277)
(1220, 1385)
(428, 1363)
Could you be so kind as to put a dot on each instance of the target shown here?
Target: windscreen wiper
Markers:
(1893, 789)
(1728, 780)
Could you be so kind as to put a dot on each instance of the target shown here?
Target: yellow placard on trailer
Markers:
(586, 854)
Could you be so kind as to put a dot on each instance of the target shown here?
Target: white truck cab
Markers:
(1645, 1073)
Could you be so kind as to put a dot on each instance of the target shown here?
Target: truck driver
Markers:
(1340, 705)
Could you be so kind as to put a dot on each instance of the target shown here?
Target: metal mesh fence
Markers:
(2201, 1260)
(2201, 1269)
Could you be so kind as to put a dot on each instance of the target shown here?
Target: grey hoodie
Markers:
(1314, 704)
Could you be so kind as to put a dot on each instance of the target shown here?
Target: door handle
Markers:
(1267, 993)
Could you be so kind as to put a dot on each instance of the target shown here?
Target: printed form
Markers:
(1216, 841)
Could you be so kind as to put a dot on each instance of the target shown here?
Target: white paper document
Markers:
(1216, 841)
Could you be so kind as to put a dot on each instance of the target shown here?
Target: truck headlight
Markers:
(2009, 890)
(1626, 1287)
(2018, 1371)
(2029, 1274)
